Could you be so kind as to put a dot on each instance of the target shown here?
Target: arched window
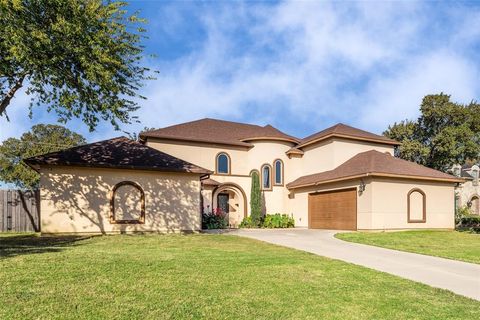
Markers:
(416, 203)
(266, 177)
(223, 163)
(278, 166)
(127, 203)
(474, 205)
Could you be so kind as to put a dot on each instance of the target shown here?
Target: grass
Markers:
(202, 276)
(455, 245)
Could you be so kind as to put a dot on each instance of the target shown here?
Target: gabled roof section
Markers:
(219, 132)
(343, 131)
(119, 152)
(373, 163)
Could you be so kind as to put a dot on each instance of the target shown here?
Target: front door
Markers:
(223, 199)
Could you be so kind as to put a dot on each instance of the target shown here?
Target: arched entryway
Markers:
(231, 198)
(475, 205)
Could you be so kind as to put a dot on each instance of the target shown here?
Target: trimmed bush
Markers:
(270, 221)
(214, 220)
(247, 223)
(278, 220)
(469, 222)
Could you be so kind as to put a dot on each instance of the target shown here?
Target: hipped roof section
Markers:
(219, 132)
(373, 163)
(119, 152)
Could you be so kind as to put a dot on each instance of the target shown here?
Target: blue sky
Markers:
(300, 66)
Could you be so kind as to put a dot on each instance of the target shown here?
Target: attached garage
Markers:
(335, 210)
(374, 191)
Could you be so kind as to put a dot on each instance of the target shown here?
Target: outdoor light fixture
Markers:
(361, 187)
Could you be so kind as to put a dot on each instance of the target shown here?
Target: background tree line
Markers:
(444, 134)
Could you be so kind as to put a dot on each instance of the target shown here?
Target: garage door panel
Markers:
(333, 210)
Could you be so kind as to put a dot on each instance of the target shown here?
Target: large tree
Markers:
(78, 58)
(444, 134)
(39, 140)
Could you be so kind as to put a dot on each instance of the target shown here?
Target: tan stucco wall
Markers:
(78, 200)
(243, 161)
(329, 154)
(383, 204)
(390, 204)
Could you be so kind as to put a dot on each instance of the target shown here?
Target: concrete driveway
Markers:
(460, 277)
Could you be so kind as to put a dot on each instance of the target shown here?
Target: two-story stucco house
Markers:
(468, 193)
(338, 178)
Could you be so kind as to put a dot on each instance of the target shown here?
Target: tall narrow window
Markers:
(278, 165)
(266, 177)
(416, 203)
(223, 163)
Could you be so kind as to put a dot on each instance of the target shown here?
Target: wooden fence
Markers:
(19, 211)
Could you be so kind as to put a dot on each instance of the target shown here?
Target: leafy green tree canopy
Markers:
(445, 133)
(79, 58)
(39, 140)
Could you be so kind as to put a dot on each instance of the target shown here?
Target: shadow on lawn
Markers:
(15, 245)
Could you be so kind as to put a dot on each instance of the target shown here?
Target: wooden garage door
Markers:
(333, 210)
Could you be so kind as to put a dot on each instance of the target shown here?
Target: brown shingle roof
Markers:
(210, 182)
(342, 130)
(218, 131)
(119, 152)
(373, 163)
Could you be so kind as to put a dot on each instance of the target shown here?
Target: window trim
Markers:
(281, 184)
(141, 220)
(424, 207)
(261, 177)
(229, 171)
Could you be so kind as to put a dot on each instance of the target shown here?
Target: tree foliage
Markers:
(255, 200)
(79, 58)
(445, 133)
(40, 139)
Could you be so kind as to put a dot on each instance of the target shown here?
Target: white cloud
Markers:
(325, 61)
(367, 64)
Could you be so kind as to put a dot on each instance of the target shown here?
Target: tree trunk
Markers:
(8, 97)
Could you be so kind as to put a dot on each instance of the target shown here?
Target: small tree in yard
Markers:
(39, 140)
(256, 200)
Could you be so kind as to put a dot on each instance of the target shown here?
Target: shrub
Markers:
(270, 221)
(470, 223)
(215, 220)
(461, 212)
(278, 220)
(247, 223)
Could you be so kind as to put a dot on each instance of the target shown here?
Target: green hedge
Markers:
(469, 222)
(270, 221)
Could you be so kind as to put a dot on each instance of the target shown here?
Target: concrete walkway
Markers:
(459, 277)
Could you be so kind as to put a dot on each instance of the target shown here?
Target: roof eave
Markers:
(292, 140)
(385, 175)
(349, 137)
(37, 165)
(239, 144)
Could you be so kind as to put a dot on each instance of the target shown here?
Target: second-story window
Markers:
(278, 166)
(223, 163)
(266, 177)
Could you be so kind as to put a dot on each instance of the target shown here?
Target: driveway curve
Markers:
(459, 277)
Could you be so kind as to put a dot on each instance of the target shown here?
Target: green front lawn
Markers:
(202, 276)
(447, 244)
